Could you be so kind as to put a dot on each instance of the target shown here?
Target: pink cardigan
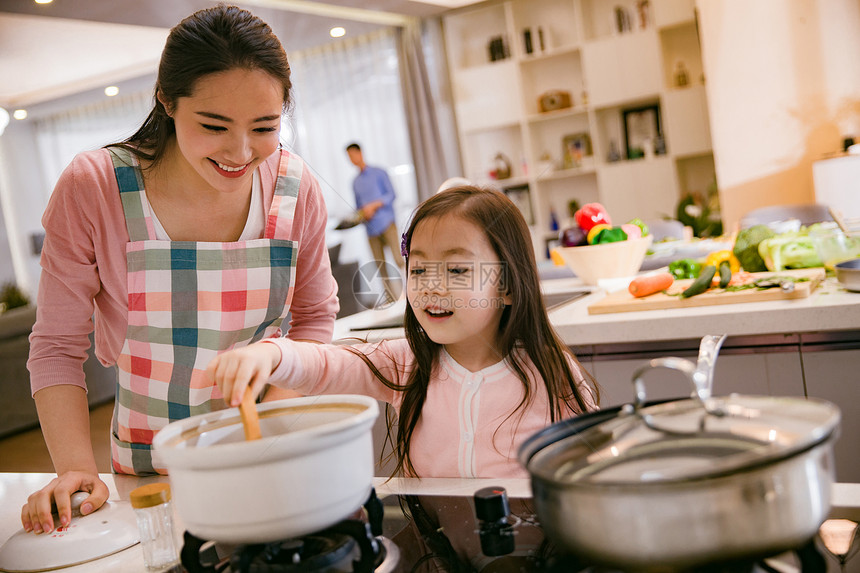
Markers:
(83, 277)
(465, 428)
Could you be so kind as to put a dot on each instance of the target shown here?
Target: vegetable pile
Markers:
(593, 226)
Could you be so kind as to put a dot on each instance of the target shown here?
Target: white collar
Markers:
(455, 368)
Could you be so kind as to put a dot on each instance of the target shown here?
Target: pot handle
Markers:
(698, 380)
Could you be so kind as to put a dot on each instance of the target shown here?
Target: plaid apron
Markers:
(187, 302)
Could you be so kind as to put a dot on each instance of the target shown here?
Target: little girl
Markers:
(480, 369)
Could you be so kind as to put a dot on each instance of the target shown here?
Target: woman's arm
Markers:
(64, 416)
(68, 283)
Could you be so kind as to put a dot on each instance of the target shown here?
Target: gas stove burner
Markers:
(317, 552)
(349, 546)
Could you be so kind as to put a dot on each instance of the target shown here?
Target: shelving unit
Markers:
(576, 47)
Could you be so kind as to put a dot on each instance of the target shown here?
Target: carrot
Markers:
(643, 286)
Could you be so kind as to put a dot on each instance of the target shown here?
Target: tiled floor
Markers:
(26, 451)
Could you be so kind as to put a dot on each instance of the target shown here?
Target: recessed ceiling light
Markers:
(111, 91)
(44, 1)
(20, 114)
(337, 32)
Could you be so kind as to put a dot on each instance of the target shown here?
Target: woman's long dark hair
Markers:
(211, 40)
(524, 327)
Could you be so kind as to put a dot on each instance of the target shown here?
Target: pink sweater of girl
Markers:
(83, 279)
(466, 428)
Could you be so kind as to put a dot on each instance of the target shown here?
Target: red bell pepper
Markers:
(590, 215)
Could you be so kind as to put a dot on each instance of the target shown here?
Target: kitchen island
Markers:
(829, 309)
(798, 347)
(15, 487)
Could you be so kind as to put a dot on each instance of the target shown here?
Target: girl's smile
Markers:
(438, 314)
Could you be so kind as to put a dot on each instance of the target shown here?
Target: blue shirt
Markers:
(372, 184)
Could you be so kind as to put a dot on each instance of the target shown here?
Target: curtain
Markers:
(59, 137)
(429, 110)
(349, 92)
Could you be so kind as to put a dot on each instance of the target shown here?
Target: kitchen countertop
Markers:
(16, 487)
(830, 308)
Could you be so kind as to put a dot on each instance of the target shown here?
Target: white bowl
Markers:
(606, 261)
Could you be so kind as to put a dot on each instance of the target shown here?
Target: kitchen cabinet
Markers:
(504, 56)
(765, 374)
(834, 375)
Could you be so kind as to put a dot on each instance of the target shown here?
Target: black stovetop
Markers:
(460, 534)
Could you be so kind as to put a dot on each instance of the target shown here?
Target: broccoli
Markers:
(746, 247)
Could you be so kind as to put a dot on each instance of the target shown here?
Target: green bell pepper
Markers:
(685, 268)
(611, 235)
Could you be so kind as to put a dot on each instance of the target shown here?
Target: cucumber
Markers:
(702, 283)
(725, 274)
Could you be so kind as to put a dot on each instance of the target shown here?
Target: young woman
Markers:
(195, 235)
(480, 369)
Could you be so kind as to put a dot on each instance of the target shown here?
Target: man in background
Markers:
(374, 199)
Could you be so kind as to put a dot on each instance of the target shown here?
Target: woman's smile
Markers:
(229, 171)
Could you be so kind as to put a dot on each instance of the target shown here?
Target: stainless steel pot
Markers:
(312, 468)
(679, 484)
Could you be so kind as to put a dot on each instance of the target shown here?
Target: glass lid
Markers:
(681, 440)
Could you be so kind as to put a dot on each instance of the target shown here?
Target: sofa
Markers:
(17, 408)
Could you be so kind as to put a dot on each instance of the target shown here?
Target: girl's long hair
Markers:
(524, 329)
(212, 40)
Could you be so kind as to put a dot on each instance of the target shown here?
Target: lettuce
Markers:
(794, 250)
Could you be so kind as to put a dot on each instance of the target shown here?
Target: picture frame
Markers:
(641, 124)
(574, 148)
(520, 195)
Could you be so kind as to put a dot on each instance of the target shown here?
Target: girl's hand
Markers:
(36, 513)
(235, 370)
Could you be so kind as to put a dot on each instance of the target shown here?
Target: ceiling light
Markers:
(43, 1)
(20, 114)
(337, 32)
(111, 91)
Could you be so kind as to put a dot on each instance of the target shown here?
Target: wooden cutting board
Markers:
(623, 301)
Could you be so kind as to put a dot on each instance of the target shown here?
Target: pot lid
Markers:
(112, 528)
(680, 440)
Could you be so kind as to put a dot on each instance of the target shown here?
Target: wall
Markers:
(783, 86)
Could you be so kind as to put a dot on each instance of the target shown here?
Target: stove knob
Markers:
(492, 510)
(491, 504)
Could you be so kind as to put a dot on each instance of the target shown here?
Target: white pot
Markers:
(312, 468)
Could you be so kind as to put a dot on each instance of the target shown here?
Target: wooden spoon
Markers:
(850, 227)
(250, 419)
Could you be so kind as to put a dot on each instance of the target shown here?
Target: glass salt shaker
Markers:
(152, 506)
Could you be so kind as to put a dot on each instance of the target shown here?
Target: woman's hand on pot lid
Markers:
(235, 370)
(36, 514)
